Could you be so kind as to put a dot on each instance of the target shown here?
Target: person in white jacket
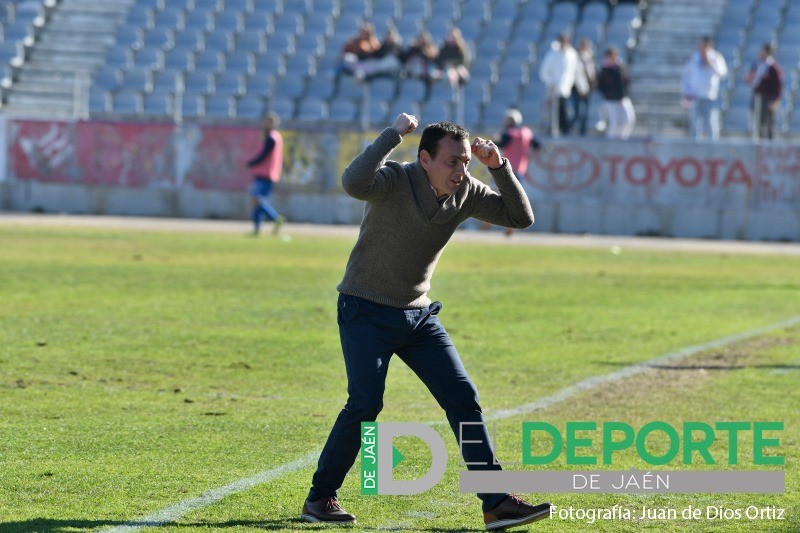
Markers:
(558, 71)
(700, 89)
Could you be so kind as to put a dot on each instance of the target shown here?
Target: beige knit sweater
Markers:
(405, 228)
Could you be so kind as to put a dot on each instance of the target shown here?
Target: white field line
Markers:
(180, 509)
(174, 512)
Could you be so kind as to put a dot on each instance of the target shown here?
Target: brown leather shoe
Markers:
(514, 511)
(326, 510)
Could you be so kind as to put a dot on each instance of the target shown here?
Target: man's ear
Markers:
(425, 159)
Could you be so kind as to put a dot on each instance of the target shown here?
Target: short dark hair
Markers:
(435, 132)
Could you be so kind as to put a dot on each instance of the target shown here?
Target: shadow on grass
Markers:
(48, 525)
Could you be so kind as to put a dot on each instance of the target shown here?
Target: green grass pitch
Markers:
(140, 369)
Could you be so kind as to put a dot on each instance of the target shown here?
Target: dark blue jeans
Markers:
(260, 191)
(371, 333)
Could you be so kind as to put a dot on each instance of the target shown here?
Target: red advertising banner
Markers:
(218, 156)
(42, 151)
(132, 155)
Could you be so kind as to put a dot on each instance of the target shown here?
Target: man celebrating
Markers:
(412, 211)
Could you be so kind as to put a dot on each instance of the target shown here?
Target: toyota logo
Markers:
(563, 169)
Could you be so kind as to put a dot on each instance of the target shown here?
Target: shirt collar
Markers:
(440, 199)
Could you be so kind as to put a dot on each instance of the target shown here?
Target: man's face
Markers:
(448, 170)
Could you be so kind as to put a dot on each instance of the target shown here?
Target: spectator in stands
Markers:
(419, 59)
(558, 71)
(385, 61)
(357, 49)
(700, 89)
(454, 58)
(266, 168)
(766, 78)
(515, 143)
(585, 82)
(612, 82)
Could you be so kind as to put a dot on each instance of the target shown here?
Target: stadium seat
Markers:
(219, 106)
(283, 107)
(128, 102)
(107, 78)
(343, 110)
(99, 101)
(199, 82)
(312, 110)
(250, 107)
(167, 81)
(192, 106)
(231, 83)
(138, 78)
(157, 104)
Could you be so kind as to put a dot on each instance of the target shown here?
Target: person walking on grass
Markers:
(516, 142)
(412, 210)
(266, 168)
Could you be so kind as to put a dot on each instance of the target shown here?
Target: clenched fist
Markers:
(405, 123)
(487, 153)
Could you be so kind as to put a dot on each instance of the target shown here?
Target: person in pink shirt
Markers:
(266, 168)
(515, 143)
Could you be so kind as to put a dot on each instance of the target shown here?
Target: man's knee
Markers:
(364, 409)
(463, 397)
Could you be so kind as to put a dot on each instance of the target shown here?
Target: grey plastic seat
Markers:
(209, 5)
(260, 84)
(157, 104)
(192, 106)
(159, 37)
(220, 40)
(219, 106)
(179, 58)
(251, 107)
(167, 80)
(595, 12)
(138, 78)
(283, 107)
(108, 78)
(199, 82)
(312, 110)
(230, 83)
(252, 42)
(199, 19)
(342, 110)
(99, 101)
(170, 18)
(241, 62)
(128, 102)
(229, 20)
(152, 58)
(189, 39)
(210, 60)
(289, 87)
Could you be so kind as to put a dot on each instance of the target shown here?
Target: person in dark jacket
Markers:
(612, 82)
(766, 78)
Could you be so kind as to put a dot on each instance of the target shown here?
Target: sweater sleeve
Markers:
(269, 144)
(366, 178)
(509, 207)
